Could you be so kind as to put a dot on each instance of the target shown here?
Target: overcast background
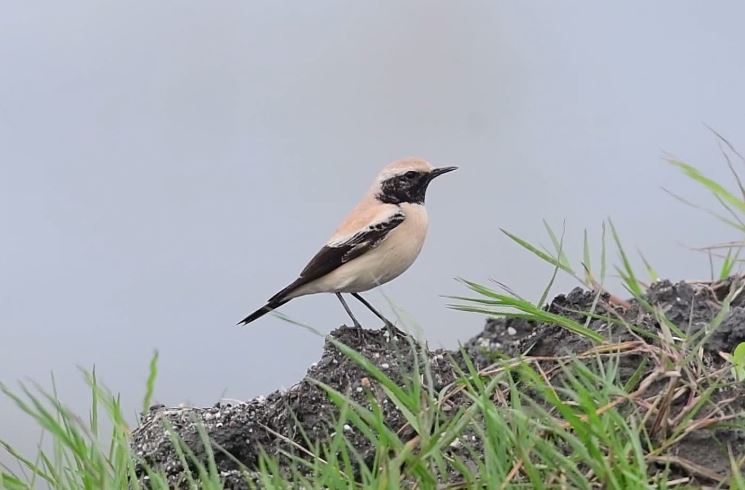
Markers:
(167, 166)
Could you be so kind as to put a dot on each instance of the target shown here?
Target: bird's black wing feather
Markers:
(330, 257)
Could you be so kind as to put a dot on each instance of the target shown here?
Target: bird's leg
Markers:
(375, 312)
(349, 312)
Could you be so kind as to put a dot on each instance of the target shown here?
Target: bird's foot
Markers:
(391, 328)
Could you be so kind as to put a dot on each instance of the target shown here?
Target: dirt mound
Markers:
(703, 452)
(279, 421)
(284, 421)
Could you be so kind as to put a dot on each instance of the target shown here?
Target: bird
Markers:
(378, 240)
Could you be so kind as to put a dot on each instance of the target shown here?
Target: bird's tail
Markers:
(270, 306)
(274, 302)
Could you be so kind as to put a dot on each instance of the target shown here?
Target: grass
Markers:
(563, 422)
(569, 421)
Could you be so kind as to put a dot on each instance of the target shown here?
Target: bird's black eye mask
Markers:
(407, 187)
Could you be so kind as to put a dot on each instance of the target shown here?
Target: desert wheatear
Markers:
(378, 240)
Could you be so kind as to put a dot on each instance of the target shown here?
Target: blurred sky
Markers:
(167, 166)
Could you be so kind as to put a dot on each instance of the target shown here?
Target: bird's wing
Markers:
(345, 248)
(342, 249)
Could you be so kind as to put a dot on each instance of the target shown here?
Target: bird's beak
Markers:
(441, 170)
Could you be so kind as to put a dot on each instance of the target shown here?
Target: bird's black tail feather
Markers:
(270, 306)
(274, 302)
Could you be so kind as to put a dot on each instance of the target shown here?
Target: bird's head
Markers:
(407, 180)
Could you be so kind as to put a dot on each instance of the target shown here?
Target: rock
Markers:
(281, 421)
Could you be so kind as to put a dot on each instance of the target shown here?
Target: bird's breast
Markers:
(393, 255)
(406, 240)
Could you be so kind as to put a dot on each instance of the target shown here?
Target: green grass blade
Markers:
(714, 187)
(150, 384)
(538, 252)
(558, 244)
(627, 273)
(525, 309)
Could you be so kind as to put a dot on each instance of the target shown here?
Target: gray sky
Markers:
(167, 166)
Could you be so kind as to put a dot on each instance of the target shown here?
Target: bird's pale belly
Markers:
(388, 261)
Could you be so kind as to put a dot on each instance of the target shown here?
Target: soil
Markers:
(284, 421)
